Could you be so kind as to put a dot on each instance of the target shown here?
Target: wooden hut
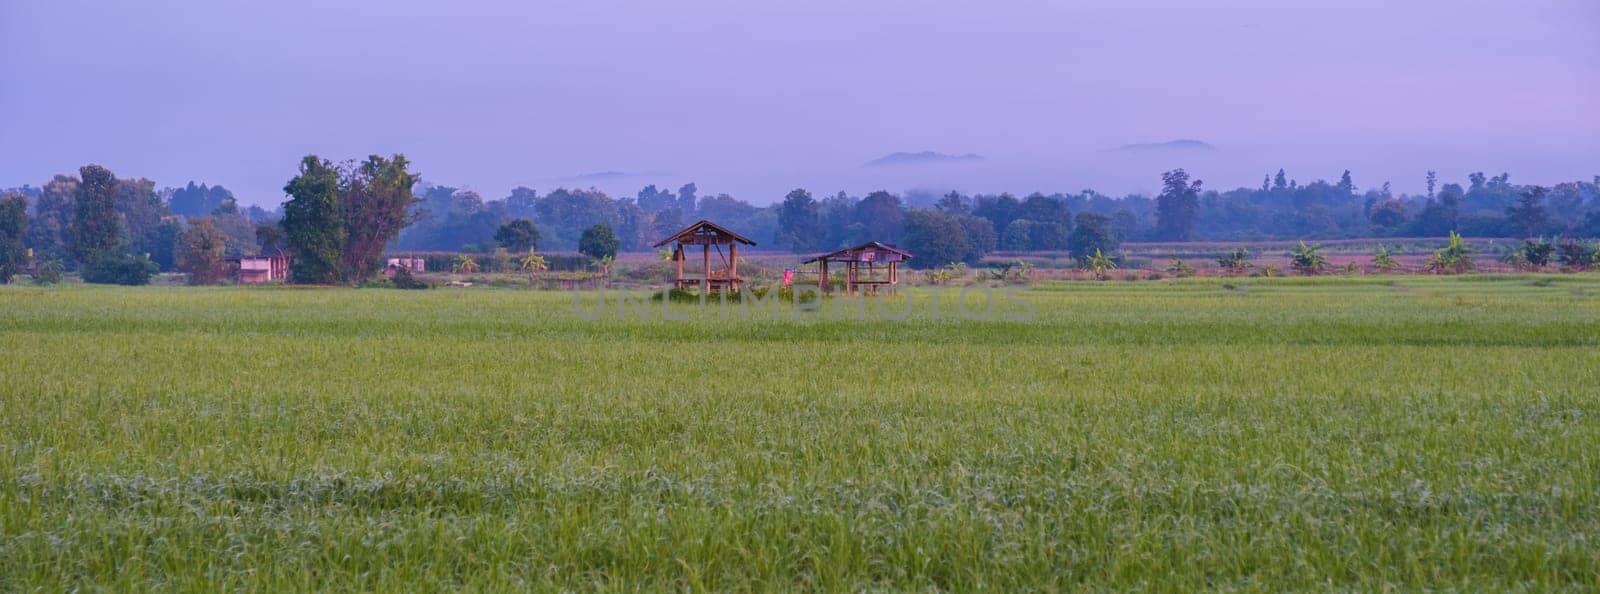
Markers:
(718, 274)
(866, 266)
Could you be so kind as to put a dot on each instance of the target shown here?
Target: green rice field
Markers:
(1278, 434)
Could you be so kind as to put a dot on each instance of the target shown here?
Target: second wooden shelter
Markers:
(860, 265)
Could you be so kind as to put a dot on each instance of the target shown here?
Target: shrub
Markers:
(1537, 253)
(1236, 261)
(120, 269)
(1573, 254)
(403, 279)
(1383, 259)
(1179, 268)
(48, 273)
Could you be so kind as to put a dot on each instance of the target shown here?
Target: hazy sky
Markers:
(754, 97)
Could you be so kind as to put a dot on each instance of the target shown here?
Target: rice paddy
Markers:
(1372, 433)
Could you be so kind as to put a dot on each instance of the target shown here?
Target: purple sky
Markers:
(756, 97)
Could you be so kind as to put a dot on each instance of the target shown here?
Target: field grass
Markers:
(1256, 434)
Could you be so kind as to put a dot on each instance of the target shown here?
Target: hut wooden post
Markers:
(705, 279)
(677, 259)
(733, 266)
(822, 276)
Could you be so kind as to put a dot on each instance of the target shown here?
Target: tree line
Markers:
(340, 219)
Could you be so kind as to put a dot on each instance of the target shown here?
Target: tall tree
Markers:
(313, 222)
(13, 233)
(880, 215)
(1528, 213)
(143, 212)
(202, 252)
(686, 198)
(95, 231)
(799, 221)
(50, 228)
(376, 202)
(953, 204)
(1177, 205)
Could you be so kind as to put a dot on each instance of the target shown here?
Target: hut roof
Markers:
(854, 253)
(703, 231)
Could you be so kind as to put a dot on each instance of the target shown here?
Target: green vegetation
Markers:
(1288, 434)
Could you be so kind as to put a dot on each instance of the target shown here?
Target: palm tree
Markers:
(533, 264)
(1308, 259)
(465, 265)
(1455, 258)
(1101, 265)
(1383, 259)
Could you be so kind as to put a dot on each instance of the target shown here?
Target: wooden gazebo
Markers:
(709, 236)
(861, 265)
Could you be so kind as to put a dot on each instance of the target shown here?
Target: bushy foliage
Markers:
(313, 222)
(403, 279)
(201, 253)
(1235, 261)
(119, 269)
(936, 239)
(598, 242)
(518, 236)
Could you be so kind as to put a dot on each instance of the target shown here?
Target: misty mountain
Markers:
(1180, 145)
(922, 158)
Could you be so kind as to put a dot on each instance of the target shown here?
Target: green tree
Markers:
(313, 223)
(1018, 236)
(202, 252)
(518, 236)
(1177, 205)
(50, 227)
(13, 233)
(269, 238)
(1091, 233)
(95, 231)
(376, 201)
(1528, 213)
(799, 221)
(935, 239)
(598, 242)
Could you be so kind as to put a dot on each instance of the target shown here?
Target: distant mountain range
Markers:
(922, 158)
(1170, 145)
(599, 175)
